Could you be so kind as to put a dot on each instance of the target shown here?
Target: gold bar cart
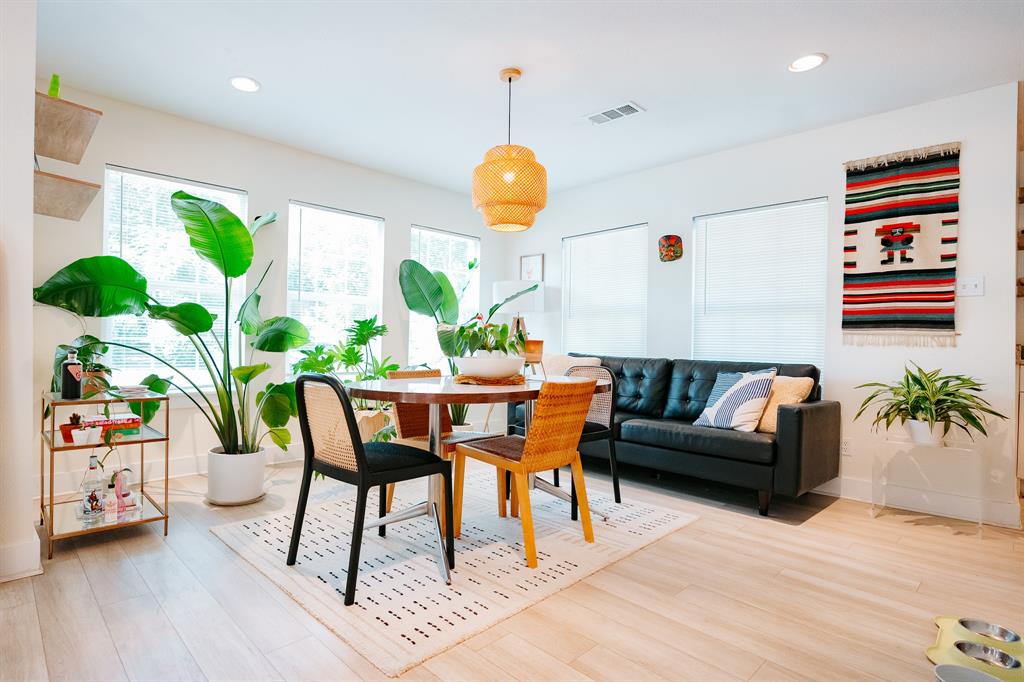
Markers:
(59, 517)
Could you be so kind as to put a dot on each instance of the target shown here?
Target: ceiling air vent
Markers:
(621, 111)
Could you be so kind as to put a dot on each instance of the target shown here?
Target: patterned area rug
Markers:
(404, 613)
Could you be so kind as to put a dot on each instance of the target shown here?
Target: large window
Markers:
(759, 284)
(140, 227)
(334, 270)
(451, 254)
(604, 292)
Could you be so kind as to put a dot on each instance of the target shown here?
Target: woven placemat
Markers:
(514, 380)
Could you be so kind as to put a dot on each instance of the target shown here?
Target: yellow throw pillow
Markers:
(785, 391)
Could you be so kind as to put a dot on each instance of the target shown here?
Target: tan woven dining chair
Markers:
(560, 411)
(412, 422)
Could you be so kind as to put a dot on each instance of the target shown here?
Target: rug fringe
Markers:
(911, 339)
(906, 155)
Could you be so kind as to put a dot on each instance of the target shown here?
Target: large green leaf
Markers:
(281, 437)
(449, 300)
(216, 234)
(186, 318)
(362, 332)
(449, 338)
(249, 314)
(148, 410)
(247, 373)
(262, 221)
(279, 404)
(420, 289)
(100, 286)
(280, 334)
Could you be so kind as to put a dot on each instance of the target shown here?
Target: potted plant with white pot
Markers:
(923, 401)
(241, 412)
(483, 349)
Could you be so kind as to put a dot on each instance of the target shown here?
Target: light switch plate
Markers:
(970, 286)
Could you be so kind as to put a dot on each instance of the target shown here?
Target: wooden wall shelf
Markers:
(63, 128)
(62, 197)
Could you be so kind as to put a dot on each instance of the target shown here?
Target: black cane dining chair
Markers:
(600, 423)
(333, 448)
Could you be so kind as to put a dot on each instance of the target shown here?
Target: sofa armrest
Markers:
(807, 446)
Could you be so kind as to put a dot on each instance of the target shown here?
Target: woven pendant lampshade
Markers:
(510, 187)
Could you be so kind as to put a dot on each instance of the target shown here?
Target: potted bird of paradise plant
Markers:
(241, 411)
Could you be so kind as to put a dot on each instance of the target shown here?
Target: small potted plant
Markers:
(74, 423)
(922, 401)
(485, 349)
(354, 360)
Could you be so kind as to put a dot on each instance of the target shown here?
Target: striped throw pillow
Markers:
(740, 406)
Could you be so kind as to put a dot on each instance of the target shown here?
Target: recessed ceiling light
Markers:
(245, 84)
(808, 62)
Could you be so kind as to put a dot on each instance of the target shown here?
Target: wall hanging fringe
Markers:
(907, 339)
(906, 155)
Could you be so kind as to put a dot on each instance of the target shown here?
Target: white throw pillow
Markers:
(740, 408)
(557, 365)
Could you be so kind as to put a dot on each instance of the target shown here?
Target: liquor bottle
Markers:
(71, 372)
(92, 490)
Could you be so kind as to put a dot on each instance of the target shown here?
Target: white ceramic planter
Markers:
(490, 364)
(921, 433)
(234, 479)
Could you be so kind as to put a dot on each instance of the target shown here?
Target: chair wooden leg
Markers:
(460, 479)
(581, 497)
(300, 514)
(615, 470)
(513, 499)
(554, 477)
(382, 507)
(357, 541)
(391, 497)
(521, 491)
(499, 475)
(574, 504)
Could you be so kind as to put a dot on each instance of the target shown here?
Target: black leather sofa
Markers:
(658, 399)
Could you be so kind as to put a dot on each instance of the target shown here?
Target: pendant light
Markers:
(510, 187)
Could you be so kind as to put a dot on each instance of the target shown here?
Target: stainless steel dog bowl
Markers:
(988, 654)
(991, 630)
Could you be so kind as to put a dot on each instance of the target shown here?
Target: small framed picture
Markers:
(531, 267)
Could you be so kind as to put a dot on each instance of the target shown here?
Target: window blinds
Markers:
(140, 227)
(449, 253)
(759, 284)
(335, 271)
(604, 292)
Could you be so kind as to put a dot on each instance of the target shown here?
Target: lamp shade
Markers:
(532, 302)
(509, 188)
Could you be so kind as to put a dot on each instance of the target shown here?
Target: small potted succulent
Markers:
(922, 401)
(74, 424)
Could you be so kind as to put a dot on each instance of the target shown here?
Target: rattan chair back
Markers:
(413, 420)
(602, 405)
(557, 423)
(328, 422)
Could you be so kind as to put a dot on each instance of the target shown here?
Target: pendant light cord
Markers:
(510, 110)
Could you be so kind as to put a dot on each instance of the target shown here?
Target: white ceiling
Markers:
(411, 88)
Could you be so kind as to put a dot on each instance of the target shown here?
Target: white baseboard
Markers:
(995, 512)
(20, 560)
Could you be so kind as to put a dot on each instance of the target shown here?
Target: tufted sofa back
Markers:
(679, 389)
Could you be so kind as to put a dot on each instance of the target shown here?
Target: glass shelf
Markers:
(147, 434)
(102, 398)
(67, 522)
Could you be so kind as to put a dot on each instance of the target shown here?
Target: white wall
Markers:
(810, 165)
(19, 544)
(272, 174)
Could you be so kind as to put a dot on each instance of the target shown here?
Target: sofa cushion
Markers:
(737, 403)
(691, 381)
(641, 384)
(758, 448)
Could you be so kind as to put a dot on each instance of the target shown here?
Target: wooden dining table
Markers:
(438, 393)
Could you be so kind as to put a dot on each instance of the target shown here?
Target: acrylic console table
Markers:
(60, 517)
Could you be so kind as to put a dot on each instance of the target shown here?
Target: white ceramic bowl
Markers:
(492, 365)
(948, 672)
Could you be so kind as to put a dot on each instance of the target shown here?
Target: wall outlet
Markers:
(970, 286)
(845, 448)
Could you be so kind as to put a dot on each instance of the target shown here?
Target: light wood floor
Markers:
(819, 591)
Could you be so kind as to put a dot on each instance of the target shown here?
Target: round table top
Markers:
(443, 391)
